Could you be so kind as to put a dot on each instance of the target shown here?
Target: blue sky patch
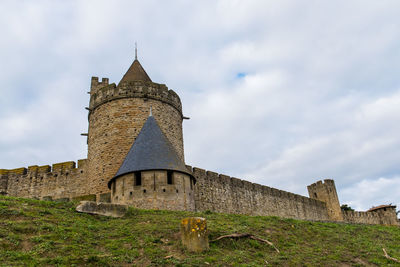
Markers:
(241, 75)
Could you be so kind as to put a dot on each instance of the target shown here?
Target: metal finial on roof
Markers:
(135, 51)
(151, 111)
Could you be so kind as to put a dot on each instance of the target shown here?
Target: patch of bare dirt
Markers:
(26, 245)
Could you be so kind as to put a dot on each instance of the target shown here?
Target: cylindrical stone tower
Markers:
(116, 115)
(152, 175)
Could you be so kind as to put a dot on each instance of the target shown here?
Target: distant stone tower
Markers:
(116, 115)
(326, 192)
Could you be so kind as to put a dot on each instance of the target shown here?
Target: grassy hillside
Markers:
(36, 232)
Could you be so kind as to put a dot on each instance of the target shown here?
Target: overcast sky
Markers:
(282, 93)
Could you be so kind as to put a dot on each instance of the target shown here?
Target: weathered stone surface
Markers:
(3, 181)
(154, 191)
(116, 117)
(326, 191)
(66, 181)
(106, 209)
(194, 234)
(105, 198)
(214, 192)
(85, 198)
(388, 217)
(221, 193)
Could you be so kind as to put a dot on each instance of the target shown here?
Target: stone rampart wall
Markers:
(369, 217)
(61, 180)
(221, 193)
(213, 191)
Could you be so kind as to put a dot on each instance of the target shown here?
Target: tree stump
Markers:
(194, 234)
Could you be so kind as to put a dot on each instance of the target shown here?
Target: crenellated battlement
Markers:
(135, 89)
(386, 218)
(61, 180)
(239, 183)
(320, 183)
(63, 166)
(222, 193)
(17, 171)
(355, 214)
(35, 169)
(95, 84)
(3, 171)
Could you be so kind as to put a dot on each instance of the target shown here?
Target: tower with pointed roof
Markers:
(116, 115)
(152, 175)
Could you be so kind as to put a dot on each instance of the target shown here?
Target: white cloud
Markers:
(368, 193)
(364, 144)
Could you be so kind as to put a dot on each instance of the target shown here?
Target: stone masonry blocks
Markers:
(113, 127)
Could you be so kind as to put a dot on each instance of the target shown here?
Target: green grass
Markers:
(42, 233)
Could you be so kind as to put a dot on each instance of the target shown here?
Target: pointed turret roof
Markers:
(135, 73)
(151, 151)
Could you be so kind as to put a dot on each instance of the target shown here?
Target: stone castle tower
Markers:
(326, 191)
(116, 115)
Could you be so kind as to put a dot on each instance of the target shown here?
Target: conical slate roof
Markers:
(151, 151)
(135, 73)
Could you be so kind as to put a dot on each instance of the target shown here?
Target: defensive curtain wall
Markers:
(62, 181)
(221, 193)
(370, 217)
(214, 192)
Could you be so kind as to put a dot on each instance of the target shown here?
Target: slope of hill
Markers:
(44, 233)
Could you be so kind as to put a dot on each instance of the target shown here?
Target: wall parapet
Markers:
(95, 84)
(56, 167)
(20, 171)
(44, 169)
(135, 89)
(382, 216)
(350, 213)
(363, 217)
(222, 193)
(61, 180)
(68, 165)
